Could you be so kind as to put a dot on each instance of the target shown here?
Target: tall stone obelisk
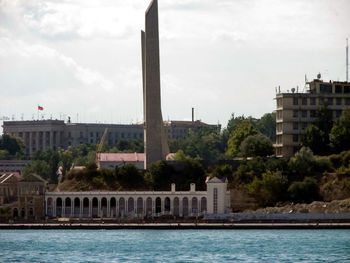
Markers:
(155, 139)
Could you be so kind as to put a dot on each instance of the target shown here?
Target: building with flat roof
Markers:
(55, 134)
(295, 111)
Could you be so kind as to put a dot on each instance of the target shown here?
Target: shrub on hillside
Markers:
(304, 191)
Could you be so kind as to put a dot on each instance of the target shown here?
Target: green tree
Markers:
(66, 160)
(303, 163)
(160, 175)
(305, 191)
(11, 144)
(340, 133)
(129, 176)
(38, 167)
(256, 145)
(267, 125)
(270, 188)
(243, 130)
(315, 139)
(52, 158)
(4, 155)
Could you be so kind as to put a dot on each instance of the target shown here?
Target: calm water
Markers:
(175, 246)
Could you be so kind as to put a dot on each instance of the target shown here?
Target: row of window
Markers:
(327, 88)
(312, 113)
(328, 101)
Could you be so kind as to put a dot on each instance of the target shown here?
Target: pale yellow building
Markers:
(295, 111)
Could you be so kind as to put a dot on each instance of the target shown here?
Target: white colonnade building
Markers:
(140, 204)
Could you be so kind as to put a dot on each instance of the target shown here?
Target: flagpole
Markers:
(38, 111)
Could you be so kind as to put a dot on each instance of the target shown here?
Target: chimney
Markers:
(192, 115)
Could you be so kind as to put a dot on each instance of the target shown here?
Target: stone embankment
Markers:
(333, 207)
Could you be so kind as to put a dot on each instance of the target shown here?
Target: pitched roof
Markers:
(125, 157)
(32, 178)
(216, 180)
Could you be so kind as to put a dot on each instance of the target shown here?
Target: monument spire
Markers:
(155, 139)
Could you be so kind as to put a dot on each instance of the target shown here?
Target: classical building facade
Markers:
(295, 111)
(140, 204)
(54, 134)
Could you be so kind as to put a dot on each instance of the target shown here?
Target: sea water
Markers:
(175, 246)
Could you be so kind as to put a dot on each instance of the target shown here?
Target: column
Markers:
(63, 207)
(108, 208)
(44, 140)
(153, 207)
(37, 140)
(30, 143)
(81, 208)
(72, 207)
(172, 205)
(90, 207)
(54, 208)
(180, 207)
(46, 206)
(190, 206)
(51, 140)
(99, 207)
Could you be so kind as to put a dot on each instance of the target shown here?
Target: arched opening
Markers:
(167, 204)
(158, 205)
(176, 206)
(76, 207)
(49, 205)
(86, 205)
(104, 207)
(185, 206)
(15, 212)
(121, 207)
(131, 206)
(203, 205)
(113, 207)
(139, 206)
(59, 207)
(94, 207)
(194, 206)
(68, 205)
(149, 206)
(23, 212)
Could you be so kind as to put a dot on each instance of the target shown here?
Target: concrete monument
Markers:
(155, 139)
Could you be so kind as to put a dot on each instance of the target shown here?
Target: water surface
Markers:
(175, 246)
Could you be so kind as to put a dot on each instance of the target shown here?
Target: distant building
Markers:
(55, 134)
(295, 111)
(12, 165)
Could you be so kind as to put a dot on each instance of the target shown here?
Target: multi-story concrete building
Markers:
(295, 111)
(54, 134)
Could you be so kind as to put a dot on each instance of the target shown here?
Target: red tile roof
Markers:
(125, 157)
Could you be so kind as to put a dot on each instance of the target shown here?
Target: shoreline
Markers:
(171, 226)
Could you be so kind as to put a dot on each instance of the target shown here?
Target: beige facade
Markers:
(295, 111)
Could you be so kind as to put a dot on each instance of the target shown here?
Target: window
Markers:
(279, 127)
(295, 101)
(279, 139)
(295, 113)
(346, 89)
(304, 101)
(215, 200)
(81, 134)
(295, 125)
(312, 113)
(91, 134)
(330, 101)
(312, 101)
(304, 114)
(338, 113)
(347, 101)
(303, 125)
(325, 88)
(122, 134)
(96, 134)
(279, 114)
(338, 101)
(279, 102)
(69, 134)
(295, 137)
(338, 89)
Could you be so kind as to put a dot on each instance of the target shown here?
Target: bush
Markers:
(305, 191)
(303, 163)
(323, 164)
(256, 145)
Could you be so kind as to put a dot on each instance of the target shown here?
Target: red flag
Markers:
(40, 108)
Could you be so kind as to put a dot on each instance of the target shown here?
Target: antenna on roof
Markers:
(347, 60)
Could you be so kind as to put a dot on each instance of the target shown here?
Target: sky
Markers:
(82, 58)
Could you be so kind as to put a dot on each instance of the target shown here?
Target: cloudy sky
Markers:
(81, 58)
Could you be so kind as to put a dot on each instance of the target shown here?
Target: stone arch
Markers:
(121, 206)
(203, 204)
(15, 212)
(167, 204)
(86, 207)
(49, 205)
(194, 205)
(139, 204)
(104, 207)
(185, 206)
(113, 207)
(94, 207)
(131, 205)
(176, 206)
(149, 206)
(59, 207)
(158, 205)
(68, 207)
(76, 207)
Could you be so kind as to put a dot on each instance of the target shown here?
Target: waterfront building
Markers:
(296, 110)
(55, 134)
